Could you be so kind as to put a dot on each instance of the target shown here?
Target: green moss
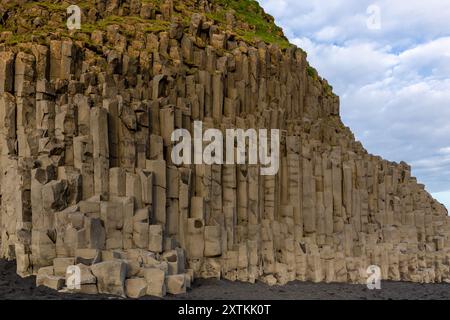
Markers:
(156, 26)
(141, 24)
(217, 17)
(312, 72)
(16, 39)
(253, 24)
(261, 26)
(155, 2)
(254, 37)
(47, 5)
(328, 89)
(60, 6)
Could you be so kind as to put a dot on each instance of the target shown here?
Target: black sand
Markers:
(12, 287)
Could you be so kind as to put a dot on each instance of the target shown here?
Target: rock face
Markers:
(87, 177)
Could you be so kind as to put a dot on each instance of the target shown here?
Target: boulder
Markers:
(155, 279)
(136, 287)
(110, 277)
(176, 284)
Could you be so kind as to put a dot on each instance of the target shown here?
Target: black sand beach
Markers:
(12, 287)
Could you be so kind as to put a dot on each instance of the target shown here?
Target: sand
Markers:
(12, 287)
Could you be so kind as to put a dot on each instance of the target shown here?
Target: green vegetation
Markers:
(328, 89)
(124, 22)
(312, 72)
(259, 25)
(253, 24)
(269, 38)
(47, 5)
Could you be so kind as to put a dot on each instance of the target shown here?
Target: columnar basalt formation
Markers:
(87, 178)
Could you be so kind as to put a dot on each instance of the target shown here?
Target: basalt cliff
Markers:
(90, 195)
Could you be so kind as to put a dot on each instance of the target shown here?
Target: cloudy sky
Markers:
(389, 61)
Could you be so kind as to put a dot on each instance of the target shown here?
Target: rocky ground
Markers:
(12, 287)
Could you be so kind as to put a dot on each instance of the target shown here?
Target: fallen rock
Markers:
(136, 287)
(155, 279)
(176, 284)
(110, 277)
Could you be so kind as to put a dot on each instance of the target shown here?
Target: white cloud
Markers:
(394, 83)
(445, 150)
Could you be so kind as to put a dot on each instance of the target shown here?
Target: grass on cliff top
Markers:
(60, 6)
(312, 72)
(262, 25)
(253, 23)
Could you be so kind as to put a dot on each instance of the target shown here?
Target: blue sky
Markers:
(391, 68)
